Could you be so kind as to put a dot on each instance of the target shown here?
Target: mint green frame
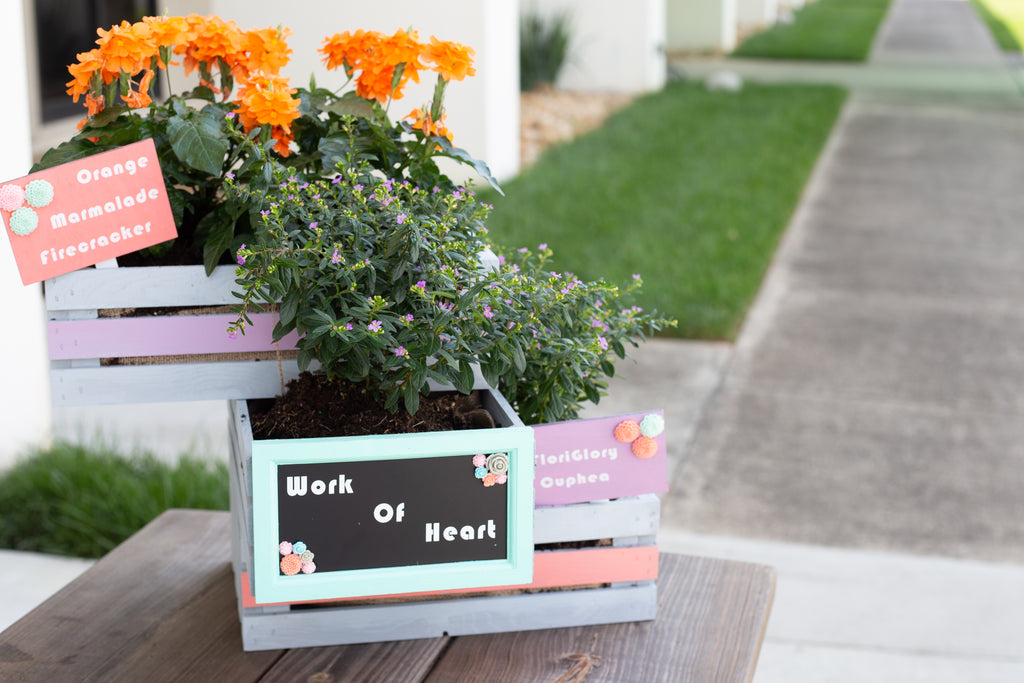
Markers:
(269, 586)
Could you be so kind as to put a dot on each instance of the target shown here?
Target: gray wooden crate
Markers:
(75, 300)
(630, 523)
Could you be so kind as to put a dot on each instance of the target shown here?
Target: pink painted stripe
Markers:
(160, 336)
(551, 569)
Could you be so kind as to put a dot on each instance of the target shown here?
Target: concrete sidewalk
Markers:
(869, 427)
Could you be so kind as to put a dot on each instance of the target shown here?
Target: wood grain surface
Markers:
(161, 607)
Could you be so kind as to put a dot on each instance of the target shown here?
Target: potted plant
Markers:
(231, 116)
(352, 248)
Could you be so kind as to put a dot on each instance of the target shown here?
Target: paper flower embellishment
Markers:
(652, 425)
(291, 565)
(296, 558)
(491, 469)
(497, 463)
(38, 193)
(24, 221)
(626, 431)
(645, 447)
(641, 435)
(11, 197)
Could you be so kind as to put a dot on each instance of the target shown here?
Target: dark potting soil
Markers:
(314, 407)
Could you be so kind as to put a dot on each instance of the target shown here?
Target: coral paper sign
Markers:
(609, 457)
(86, 211)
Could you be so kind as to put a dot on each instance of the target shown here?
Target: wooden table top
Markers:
(162, 607)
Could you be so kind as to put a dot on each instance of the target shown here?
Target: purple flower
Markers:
(335, 257)
(408, 317)
(374, 326)
(312, 226)
(348, 326)
(603, 342)
(358, 187)
(229, 175)
(265, 212)
(401, 218)
(241, 259)
(487, 312)
(458, 194)
(400, 351)
(335, 180)
(542, 246)
(522, 250)
(422, 284)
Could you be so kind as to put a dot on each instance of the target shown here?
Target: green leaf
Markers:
(289, 306)
(304, 358)
(70, 150)
(518, 359)
(199, 140)
(459, 154)
(334, 150)
(464, 382)
(351, 104)
(219, 228)
(412, 398)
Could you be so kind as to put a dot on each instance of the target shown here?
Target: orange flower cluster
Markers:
(131, 54)
(385, 64)
(424, 122)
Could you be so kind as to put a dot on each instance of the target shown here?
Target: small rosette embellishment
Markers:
(497, 463)
(491, 469)
(296, 557)
(641, 435)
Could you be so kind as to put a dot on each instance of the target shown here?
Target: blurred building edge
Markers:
(612, 47)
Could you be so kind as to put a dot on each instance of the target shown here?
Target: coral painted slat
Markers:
(552, 569)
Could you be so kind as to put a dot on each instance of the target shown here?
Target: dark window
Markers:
(63, 29)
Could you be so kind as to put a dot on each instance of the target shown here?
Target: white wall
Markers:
(611, 48)
(483, 111)
(756, 14)
(24, 377)
(701, 25)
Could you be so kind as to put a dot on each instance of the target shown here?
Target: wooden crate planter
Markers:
(176, 357)
(171, 345)
(609, 582)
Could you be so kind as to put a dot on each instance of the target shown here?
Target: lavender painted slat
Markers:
(160, 336)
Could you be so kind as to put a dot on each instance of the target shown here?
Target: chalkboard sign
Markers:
(360, 516)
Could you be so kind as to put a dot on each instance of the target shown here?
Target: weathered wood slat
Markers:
(96, 288)
(623, 517)
(711, 620)
(176, 335)
(409, 621)
(406, 661)
(166, 589)
(172, 382)
(160, 608)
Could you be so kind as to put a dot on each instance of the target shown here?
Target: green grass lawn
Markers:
(1005, 18)
(689, 188)
(74, 500)
(824, 29)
